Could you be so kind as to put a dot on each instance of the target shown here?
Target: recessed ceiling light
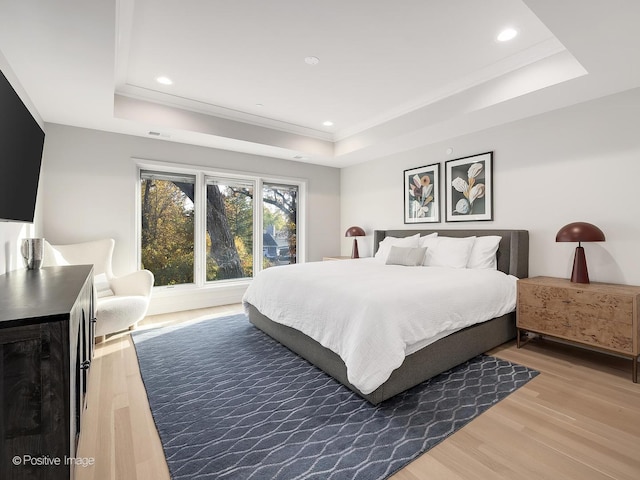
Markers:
(311, 60)
(328, 123)
(507, 34)
(164, 80)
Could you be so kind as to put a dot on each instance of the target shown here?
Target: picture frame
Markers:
(469, 188)
(422, 194)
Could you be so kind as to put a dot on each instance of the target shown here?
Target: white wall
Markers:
(580, 163)
(89, 193)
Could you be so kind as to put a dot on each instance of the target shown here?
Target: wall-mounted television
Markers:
(21, 144)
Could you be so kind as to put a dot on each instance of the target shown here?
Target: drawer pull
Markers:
(566, 301)
(566, 324)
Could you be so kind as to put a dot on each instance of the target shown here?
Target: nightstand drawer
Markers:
(573, 324)
(580, 303)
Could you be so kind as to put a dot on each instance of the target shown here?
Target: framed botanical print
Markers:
(469, 188)
(422, 194)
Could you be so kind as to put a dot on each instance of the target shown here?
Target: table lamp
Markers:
(580, 232)
(355, 232)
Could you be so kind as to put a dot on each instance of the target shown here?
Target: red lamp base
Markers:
(354, 252)
(580, 273)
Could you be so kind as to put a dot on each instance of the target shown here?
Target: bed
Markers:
(440, 355)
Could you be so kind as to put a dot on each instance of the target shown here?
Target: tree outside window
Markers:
(167, 235)
(168, 210)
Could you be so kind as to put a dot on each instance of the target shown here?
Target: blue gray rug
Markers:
(231, 403)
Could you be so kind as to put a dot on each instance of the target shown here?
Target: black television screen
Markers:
(21, 143)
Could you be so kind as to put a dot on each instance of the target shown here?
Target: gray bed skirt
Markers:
(417, 367)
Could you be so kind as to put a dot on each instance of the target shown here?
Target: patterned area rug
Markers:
(231, 403)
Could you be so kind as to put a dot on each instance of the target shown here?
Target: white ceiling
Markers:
(392, 76)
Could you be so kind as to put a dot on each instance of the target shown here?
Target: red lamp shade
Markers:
(354, 232)
(580, 232)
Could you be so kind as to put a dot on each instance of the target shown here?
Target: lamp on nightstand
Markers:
(355, 232)
(580, 232)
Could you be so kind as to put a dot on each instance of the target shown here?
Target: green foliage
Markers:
(239, 210)
(168, 229)
(246, 256)
(167, 232)
(273, 217)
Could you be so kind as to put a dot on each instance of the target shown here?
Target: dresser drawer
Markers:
(579, 303)
(583, 327)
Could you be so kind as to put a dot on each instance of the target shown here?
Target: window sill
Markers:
(172, 290)
(191, 297)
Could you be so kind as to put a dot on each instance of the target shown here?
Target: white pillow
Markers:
(449, 252)
(428, 240)
(483, 253)
(385, 245)
(406, 256)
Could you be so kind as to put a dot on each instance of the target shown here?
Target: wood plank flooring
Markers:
(579, 419)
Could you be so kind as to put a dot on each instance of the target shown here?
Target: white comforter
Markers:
(373, 315)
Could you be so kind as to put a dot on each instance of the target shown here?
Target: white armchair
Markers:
(121, 301)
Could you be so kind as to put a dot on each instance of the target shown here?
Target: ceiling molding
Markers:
(163, 98)
(161, 116)
(537, 52)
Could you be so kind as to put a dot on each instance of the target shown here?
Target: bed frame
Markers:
(513, 258)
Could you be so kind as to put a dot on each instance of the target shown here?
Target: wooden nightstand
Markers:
(600, 315)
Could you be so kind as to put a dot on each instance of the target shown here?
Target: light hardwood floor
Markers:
(579, 419)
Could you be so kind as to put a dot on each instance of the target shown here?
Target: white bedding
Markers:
(373, 315)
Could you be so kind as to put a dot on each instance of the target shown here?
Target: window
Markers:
(229, 229)
(280, 220)
(167, 233)
(198, 227)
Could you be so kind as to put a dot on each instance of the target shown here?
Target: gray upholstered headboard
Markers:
(513, 252)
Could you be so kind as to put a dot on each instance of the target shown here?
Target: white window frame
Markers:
(201, 173)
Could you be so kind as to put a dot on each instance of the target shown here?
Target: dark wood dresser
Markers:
(46, 346)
